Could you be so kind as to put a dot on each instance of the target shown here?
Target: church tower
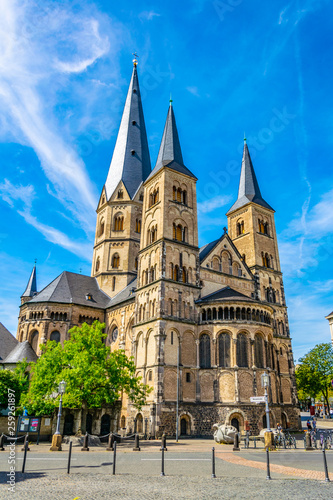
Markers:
(31, 289)
(119, 211)
(251, 227)
(168, 280)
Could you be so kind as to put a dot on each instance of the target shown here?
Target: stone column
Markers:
(252, 360)
(234, 353)
(214, 352)
(198, 354)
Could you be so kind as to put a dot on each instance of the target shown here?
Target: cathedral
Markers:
(202, 324)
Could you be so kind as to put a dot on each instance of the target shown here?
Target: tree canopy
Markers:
(16, 380)
(315, 374)
(94, 375)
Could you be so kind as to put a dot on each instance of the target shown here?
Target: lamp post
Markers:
(56, 439)
(268, 434)
(177, 407)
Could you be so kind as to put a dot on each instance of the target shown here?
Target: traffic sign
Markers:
(257, 399)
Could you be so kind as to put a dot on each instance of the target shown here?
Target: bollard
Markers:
(236, 442)
(26, 448)
(284, 442)
(85, 442)
(136, 443)
(2, 439)
(308, 442)
(254, 442)
(327, 479)
(163, 442)
(268, 469)
(213, 463)
(69, 457)
(162, 471)
(26, 440)
(114, 457)
(110, 442)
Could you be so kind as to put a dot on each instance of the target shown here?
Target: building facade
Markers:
(213, 318)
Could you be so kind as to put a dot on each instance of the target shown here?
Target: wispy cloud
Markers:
(148, 15)
(42, 48)
(193, 90)
(207, 206)
(11, 193)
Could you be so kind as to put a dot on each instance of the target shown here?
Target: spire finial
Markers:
(35, 261)
(135, 60)
(244, 138)
(170, 100)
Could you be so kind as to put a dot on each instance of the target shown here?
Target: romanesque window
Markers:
(258, 352)
(224, 350)
(114, 334)
(153, 197)
(34, 340)
(241, 351)
(179, 232)
(184, 275)
(115, 261)
(188, 377)
(204, 351)
(240, 228)
(136, 263)
(263, 227)
(176, 273)
(55, 336)
(119, 223)
(265, 260)
(101, 227)
(179, 195)
(113, 283)
(138, 226)
(120, 194)
(98, 264)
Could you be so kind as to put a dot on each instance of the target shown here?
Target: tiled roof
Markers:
(225, 293)
(72, 288)
(22, 351)
(7, 342)
(31, 289)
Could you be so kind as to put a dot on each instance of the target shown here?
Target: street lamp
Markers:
(265, 385)
(61, 391)
(56, 438)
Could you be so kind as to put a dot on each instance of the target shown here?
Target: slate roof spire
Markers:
(131, 160)
(31, 289)
(248, 185)
(170, 153)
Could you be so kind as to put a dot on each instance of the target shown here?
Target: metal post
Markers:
(25, 455)
(268, 469)
(327, 479)
(162, 471)
(59, 416)
(254, 442)
(2, 437)
(213, 463)
(69, 457)
(267, 411)
(177, 409)
(114, 457)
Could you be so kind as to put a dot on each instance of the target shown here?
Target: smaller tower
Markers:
(31, 289)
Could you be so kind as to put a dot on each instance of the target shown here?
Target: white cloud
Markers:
(42, 47)
(193, 90)
(149, 15)
(207, 206)
(11, 193)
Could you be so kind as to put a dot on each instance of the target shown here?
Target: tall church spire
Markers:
(130, 161)
(248, 185)
(31, 288)
(170, 153)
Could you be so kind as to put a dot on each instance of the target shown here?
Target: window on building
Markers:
(115, 261)
(98, 264)
(136, 263)
(224, 350)
(258, 352)
(101, 227)
(188, 377)
(240, 228)
(171, 337)
(179, 232)
(119, 223)
(204, 351)
(120, 194)
(241, 351)
(113, 283)
(55, 335)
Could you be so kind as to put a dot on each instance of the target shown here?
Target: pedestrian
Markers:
(314, 424)
(308, 423)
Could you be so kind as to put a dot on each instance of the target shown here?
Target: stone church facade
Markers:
(217, 315)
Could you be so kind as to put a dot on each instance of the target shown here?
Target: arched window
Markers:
(136, 263)
(153, 197)
(240, 227)
(224, 350)
(184, 275)
(101, 227)
(55, 336)
(179, 195)
(176, 273)
(184, 197)
(242, 358)
(34, 340)
(114, 334)
(204, 351)
(115, 261)
(119, 223)
(174, 193)
(258, 352)
(98, 264)
(120, 194)
(138, 226)
(265, 260)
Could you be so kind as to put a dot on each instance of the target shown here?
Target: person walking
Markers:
(314, 424)
(308, 423)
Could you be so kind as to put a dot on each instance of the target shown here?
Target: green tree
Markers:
(95, 376)
(315, 373)
(16, 381)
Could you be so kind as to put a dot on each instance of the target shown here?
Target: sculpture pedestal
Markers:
(269, 442)
(56, 442)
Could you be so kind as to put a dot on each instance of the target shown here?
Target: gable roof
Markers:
(72, 288)
(131, 159)
(206, 249)
(248, 185)
(226, 293)
(7, 342)
(170, 153)
(22, 351)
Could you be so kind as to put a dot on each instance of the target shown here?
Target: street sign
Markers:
(257, 399)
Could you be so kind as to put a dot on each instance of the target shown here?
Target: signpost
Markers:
(258, 399)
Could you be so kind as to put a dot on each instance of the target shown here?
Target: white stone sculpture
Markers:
(224, 433)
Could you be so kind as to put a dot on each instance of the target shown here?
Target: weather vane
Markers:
(135, 60)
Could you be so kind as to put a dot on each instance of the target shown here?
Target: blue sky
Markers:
(233, 66)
